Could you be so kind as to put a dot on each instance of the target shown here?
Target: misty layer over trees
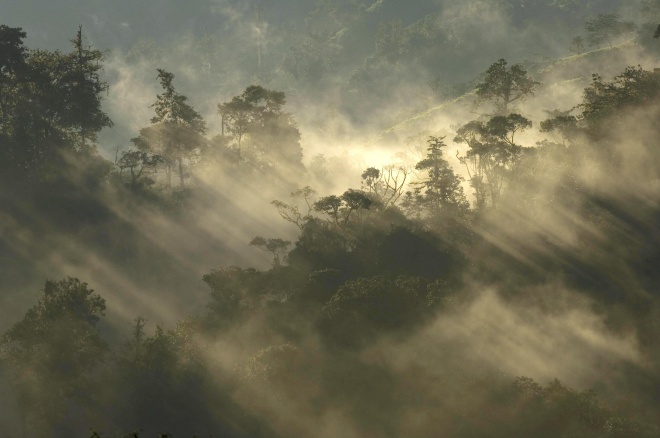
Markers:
(355, 224)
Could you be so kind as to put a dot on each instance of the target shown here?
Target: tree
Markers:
(137, 162)
(86, 88)
(605, 28)
(231, 288)
(50, 106)
(577, 45)
(311, 56)
(163, 382)
(504, 86)
(441, 190)
(364, 308)
(492, 154)
(12, 63)
(387, 184)
(603, 101)
(341, 208)
(257, 115)
(291, 212)
(177, 131)
(277, 247)
(563, 126)
(53, 351)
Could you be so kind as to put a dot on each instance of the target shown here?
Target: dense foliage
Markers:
(321, 343)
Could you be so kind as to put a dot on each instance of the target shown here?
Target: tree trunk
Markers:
(181, 172)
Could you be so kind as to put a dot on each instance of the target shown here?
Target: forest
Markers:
(368, 220)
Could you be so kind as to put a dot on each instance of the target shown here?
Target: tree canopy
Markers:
(504, 85)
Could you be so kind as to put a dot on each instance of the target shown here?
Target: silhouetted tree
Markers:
(291, 212)
(177, 131)
(492, 154)
(441, 189)
(386, 184)
(277, 247)
(50, 106)
(257, 116)
(341, 208)
(85, 91)
(504, 85)
(604, 101)
(137, 162)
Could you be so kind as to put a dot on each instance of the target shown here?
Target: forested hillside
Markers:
(360, 223)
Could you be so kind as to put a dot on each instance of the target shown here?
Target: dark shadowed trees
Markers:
(364, 308)
(85, 113)
(138, 166)
(50, 109)
(53, 351)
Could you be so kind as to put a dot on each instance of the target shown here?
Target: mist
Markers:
(294, 219)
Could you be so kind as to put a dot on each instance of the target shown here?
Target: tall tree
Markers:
(12, 63)
(86, 89)
(177, 130)
(441, 189)
(50, 106)
(257, 116)
(492, 154)
(504, 85)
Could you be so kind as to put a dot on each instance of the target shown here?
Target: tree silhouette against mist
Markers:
(256, 119)
(504, 85)
(441, 189)
(50, 108)
(492, 154)
(86, 113)
(177, 131)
